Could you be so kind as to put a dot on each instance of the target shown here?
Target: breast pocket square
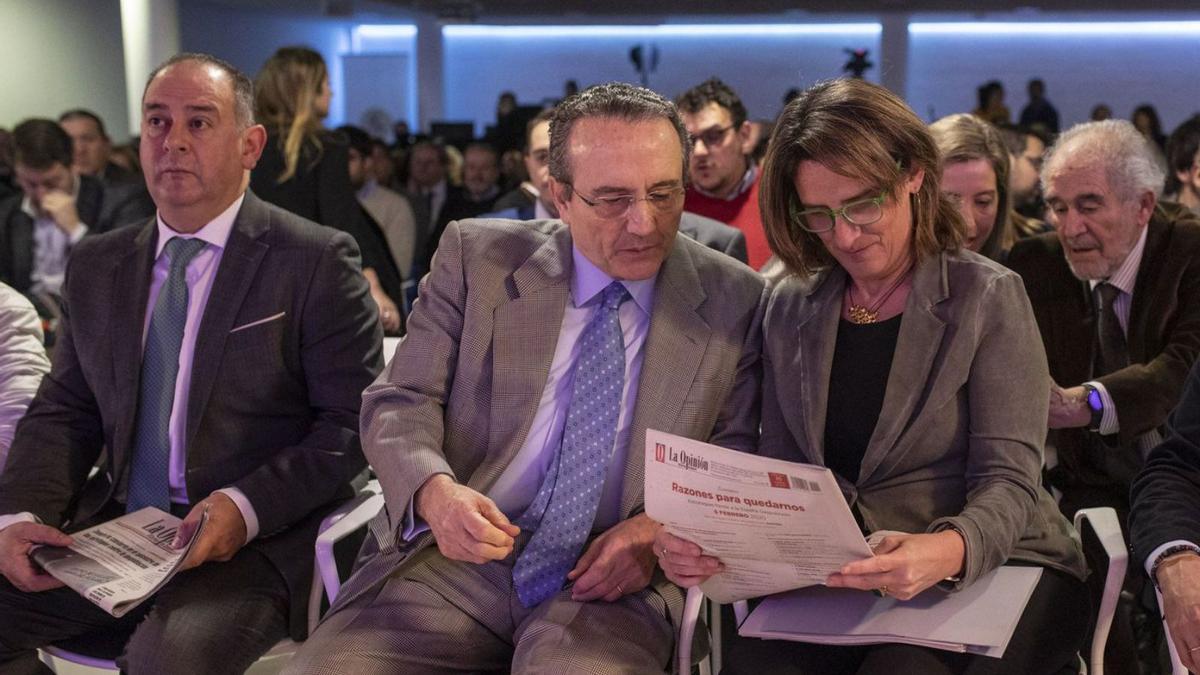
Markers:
(252, 324)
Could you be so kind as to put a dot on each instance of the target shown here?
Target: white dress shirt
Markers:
(23, 362)
(51, 247)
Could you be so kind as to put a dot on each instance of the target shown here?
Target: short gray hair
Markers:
(243, 86)
(1129, 162)
(616, 100)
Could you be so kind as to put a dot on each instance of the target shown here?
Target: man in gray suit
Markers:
(508, 432)
(254, 334)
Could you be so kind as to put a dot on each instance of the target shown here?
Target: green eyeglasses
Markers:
(858, 212)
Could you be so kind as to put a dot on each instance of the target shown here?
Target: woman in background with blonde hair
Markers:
(974, 172)
(305, 169)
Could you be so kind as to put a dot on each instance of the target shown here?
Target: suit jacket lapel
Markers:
(1140, 320)
(917, 346)
(816, 335)
(524, 337)
(131, 278)
(674, 347)
(243, 253)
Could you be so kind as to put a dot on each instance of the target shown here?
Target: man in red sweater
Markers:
(724, 179)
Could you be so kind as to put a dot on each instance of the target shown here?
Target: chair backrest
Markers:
(1102, 522)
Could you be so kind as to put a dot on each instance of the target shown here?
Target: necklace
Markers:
(860, 314)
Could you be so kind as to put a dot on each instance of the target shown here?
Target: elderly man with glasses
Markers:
(508, 433)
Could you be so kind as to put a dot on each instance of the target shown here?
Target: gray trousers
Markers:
(217, 618)
(436, 615)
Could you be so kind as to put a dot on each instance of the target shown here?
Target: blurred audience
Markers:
(57, 207)
(1039, 113)
(1145, 119)
(991, 103)
(724, 180)
(389, 209)
(93, 148)
(1183, 175)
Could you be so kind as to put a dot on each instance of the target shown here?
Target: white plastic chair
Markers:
(1102, 519)
(324, 568)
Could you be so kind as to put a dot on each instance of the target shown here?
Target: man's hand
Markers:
(618, 562)
(15, 564)
(60, 206)
(466, 525)
(1179, 579)
(904, 564)
(684, 562)
(389, 315)
(1068, 407)
(223, 536)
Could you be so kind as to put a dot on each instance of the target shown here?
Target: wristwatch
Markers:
(1095, 406)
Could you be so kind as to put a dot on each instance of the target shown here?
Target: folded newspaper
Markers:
(778, 526)
(117, 565)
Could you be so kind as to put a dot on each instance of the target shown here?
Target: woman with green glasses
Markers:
(901, 361)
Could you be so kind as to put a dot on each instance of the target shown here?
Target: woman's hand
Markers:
(683, 562)
(905, 564)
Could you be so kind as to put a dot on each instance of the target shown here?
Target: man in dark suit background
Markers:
(1116, 292)
(58, 206)
(93, 148)
(1119, 253)
(259, 335)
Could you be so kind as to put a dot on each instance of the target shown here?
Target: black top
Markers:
(862, 359)
(321, 191)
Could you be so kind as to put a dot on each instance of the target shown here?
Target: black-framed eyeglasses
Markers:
(858, 212)
(661, 200)
(711, 137)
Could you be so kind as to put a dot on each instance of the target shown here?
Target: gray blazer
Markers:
(960, 437)
(464, 384)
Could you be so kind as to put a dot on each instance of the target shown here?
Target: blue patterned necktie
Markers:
(564, 507)
(148, 484)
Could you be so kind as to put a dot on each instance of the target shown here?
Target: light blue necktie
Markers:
(148, 485)
(564, 507)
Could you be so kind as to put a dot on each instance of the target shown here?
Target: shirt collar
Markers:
(747, 182)
(1125, 278)
(27, 202)
(368, 187)
(215, 231)
(540, 211)
(587, 281)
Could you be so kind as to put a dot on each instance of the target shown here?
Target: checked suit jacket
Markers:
(463, 386)
(287, 342)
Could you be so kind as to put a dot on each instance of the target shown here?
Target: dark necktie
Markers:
(148, 484)
(564, 508)
(1112, 354)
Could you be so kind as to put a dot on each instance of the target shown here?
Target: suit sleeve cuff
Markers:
(14, 518)
(1157, 553)
(80, 230)
(1108, 420)
(243, 504)
(413, 526)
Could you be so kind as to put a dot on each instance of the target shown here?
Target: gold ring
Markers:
(619, 590)
(1193, 649)
(883, 591)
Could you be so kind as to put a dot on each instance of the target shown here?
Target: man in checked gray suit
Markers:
(508, 433)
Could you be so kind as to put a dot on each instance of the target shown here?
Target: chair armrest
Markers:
(687, 629)
(1107, 527)
(340, 523)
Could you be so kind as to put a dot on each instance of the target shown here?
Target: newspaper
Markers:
(119, 564)
(775, 525)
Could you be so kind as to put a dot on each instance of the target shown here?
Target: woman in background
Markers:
(305, 169)
(974, 176)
